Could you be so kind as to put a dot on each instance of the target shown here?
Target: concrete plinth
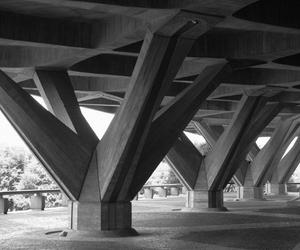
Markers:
(95, 216)
(268, 188)
(162, 192)
(278, 189)
(174, 191)
(240, 192)
(205, 200)
(37, 202)
(184, 190)
(64, 200)
(148, 193)
(3, 205)
(253, 193)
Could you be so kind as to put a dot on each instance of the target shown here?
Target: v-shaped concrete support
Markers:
(185, 160)
(59, 149)
(232, 147)
(56, 89)
(170, 121)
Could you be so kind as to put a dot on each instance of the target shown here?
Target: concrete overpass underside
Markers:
(228, 69)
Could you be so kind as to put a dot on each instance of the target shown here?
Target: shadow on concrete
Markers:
(180, 219)
(256, 238)
(285, 210)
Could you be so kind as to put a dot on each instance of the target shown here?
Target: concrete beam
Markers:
(264, 163)
(250, 119)
(171, 120)
(185, 160)
(158, 63)
(56, 89)
(58, 148)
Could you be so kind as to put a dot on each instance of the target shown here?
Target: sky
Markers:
(99, 121)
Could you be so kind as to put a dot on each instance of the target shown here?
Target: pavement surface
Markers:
(161, 224)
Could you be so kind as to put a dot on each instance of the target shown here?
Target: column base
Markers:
(174, 191)
(268, 188)
(253, 193)
(98, 217)
(204, 209)
(69, 233)
(240, 193)
(37, 202)
(203, 201)
(162, 192)
(278, 189)
(148, 193)
(3, 205)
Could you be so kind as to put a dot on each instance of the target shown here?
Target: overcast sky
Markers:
(99, 121)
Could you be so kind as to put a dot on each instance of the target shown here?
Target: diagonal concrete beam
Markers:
(266, 161)
(250, 119)
(59, 149)
(160, 59)
(212, 136)
(185, 160)
(56, 89)
(170, 121)
(288, 163)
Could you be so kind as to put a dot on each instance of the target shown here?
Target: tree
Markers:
(12, 164)
(20, 170)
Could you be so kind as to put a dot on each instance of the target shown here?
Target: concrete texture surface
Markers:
(161, 225)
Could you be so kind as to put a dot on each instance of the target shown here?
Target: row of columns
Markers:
(268, 165)
(101, 177)
(162, 192)
(36, 202)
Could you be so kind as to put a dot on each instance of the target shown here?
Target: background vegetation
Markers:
(20, 170)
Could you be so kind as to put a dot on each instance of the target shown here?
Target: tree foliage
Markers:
(20, 170)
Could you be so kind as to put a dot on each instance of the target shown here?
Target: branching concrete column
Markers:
(107, 193)
(185, 161)
(286, 168)
(169, 123)
(211, 137)
(232, 147)
(266, 162)
(278, 188)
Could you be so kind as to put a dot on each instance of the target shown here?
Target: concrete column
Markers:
(240, 192)
(37, 202)
(184, 190)
(268, 188)
(162, 192)
(3, 205)
(205, 200)
(148, 193)
(256, 193)
(279, 189)
(64, 200)
(174, 191)
(95, 216)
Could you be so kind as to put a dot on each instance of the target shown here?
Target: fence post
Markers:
(148, 193)
(37, 201)
(162, 192)
(3, 205)
(174, 191)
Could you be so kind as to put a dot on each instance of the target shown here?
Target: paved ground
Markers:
(266, 225)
